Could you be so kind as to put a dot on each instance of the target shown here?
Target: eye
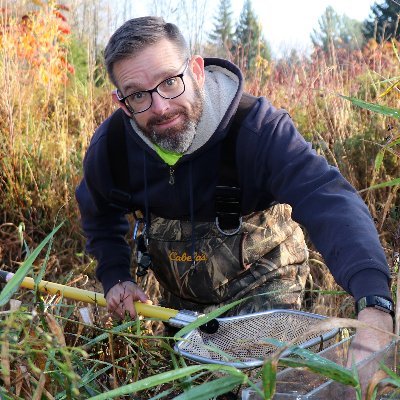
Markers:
(137, 97)
(170, 82)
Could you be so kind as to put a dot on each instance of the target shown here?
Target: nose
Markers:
(159, 104)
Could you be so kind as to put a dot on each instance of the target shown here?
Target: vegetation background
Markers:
(54, 93)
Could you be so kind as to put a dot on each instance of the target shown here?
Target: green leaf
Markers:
(206, 318)
(163, 378)
(357, 378)
(212, 389)
(14, 283)
(329, 369)
(394, 378)
(21, 229)
(379, 159)
(393, 182)
(391, 112)
(394, 142)
(389, 89)
(393, 382)
(269, 370)
(105, 335)
(315, 363)
(86, 379)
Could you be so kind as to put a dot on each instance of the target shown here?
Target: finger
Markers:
(116, 308)
(130, 307)
(127, 303)
(116, 312)
(142, 297)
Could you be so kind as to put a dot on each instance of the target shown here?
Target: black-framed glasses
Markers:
(169, 88)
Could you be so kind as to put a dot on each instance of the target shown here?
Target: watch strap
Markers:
(378, 302)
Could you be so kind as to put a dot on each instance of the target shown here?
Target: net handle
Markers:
(88, 296)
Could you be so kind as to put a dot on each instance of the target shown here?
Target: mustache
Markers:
(157, 120)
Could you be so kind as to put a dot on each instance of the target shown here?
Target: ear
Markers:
(120, 103)
(197, 67)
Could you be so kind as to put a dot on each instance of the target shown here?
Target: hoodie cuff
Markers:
(369, 282)
(111, 275)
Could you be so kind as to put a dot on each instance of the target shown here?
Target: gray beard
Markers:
(179, 142)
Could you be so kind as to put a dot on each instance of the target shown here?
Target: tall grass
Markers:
(348, 136)
(48, 112)
(46, 119)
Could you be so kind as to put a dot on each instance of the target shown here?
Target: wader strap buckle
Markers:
(228, 210)
(142, 256)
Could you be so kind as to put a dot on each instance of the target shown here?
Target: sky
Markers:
(289, 23)
(286, 23)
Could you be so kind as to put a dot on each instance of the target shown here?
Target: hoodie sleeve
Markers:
(105, 227)
(326, 204)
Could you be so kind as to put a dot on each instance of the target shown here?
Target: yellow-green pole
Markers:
(87, 296)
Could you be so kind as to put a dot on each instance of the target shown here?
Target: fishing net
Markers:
(241, 341)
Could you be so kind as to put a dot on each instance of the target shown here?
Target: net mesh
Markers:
(242, 339)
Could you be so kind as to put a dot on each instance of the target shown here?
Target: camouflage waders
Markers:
(268, 255)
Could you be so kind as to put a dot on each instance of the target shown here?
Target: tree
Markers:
(383, 24)
(337, 32)
(351, 33)
(249, 45)
(189, 15)
(222, 34)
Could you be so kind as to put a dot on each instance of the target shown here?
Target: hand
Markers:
(120, 299)
(368, 341)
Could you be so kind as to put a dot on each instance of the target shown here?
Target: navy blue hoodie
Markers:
(275, 164)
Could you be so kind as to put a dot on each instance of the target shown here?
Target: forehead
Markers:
(148, 67)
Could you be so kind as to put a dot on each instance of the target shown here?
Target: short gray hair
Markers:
(136, 34)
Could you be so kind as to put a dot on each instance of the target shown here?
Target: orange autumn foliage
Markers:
(38, 42)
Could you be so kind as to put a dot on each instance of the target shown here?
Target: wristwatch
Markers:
(378, 302)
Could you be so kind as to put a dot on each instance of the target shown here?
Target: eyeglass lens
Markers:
(168, 89)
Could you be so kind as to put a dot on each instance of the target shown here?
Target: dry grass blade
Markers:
(22, 375)
(15, 305)
(389, 89)
(19, 380)
(56, 329)
(114, 373)
(40, 387)
(332, 323)
(5, 363)
(373, 383)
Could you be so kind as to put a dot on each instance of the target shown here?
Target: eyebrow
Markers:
(159, 77)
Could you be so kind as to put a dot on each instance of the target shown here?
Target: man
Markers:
(177, 114)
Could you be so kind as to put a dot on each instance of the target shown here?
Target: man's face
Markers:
(170, 123)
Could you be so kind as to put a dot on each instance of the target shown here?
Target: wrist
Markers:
(113, 282)
(374, 317)
(380, 303)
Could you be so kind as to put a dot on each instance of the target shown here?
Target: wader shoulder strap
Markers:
(118, 160)
(228, 192)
